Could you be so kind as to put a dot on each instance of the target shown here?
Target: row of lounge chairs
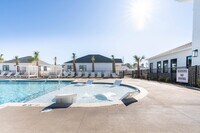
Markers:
(65, 75)
(90, 75)
(17, 74)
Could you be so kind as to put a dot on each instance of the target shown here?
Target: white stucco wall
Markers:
(99, 67)
(196, 31)
(180, 56)
(12, 66)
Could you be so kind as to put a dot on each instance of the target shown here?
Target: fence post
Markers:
(132, 74)
(196, 78)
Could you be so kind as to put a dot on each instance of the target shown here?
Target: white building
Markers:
(25, 65)
(177, 57)
(183, 56)
(196, 32)
(101, 64)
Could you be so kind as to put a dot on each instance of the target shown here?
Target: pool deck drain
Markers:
(167, 108)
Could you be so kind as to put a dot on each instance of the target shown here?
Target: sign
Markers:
(182, 75)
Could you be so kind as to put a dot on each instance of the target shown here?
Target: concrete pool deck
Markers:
(167, 108)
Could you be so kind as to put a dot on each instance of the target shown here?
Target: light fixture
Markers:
(195, 53)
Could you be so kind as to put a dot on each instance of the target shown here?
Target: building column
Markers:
(196, 32)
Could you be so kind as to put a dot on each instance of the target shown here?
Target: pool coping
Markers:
(141, 94)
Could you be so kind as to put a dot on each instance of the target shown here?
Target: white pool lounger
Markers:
(99, 75)
(79, 75)
(2, 74)
(128, 95)
(108, 95)
(89, 82)
(92, 75)
(86, 75)
(9, 74)
(66, 98)
(117, 82)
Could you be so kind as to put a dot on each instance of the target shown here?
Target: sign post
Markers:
(182, 75)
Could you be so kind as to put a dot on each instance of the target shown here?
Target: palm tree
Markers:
(36, 59)
(55, 61)
(138, 60)
(113, 64)
(17, 62)
(74, 61)
(93, 60)
(1, 58)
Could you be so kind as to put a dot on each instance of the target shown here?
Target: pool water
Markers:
(45, 91)
(23, 91)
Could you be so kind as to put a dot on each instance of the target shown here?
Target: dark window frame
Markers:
(6, 68)
(187, 61)
(45, 68)
(69, 67)
(159, 69)
(173, 69)
(165, 70)
(83, 68)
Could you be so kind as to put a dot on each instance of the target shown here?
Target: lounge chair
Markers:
(108, 96)
(79, 75)
(106, 75)
(128, 95)
(117, 82)
(25, 75)
(65, 74)
(33, 75)
(44, 75)
(89, 82)
(16, 74)
(72, 75)
(59, 75)
(128, 98)
(9, 74)
(114, 75)
(86, 75)
(2, 74)
(66, 98)
(99, 75)
(92, 75)
(51, 74)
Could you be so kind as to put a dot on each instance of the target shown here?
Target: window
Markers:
(82, 68)
(173, 65)
(195, 53)
(189, 61)
(165, 66)
(151, 67)
(69, 68)
(5, 67)
(45, 68)
(159, 67)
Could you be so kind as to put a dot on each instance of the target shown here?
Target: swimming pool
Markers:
(45, 91)
(23, 91)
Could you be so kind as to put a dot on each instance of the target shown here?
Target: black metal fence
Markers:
(169, 75)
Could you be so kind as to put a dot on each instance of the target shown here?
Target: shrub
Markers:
(160, 78)
(167, 79)
(198, 82)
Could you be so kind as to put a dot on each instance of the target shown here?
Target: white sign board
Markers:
(182, 75)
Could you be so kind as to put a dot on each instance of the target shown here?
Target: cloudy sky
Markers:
(120, 27)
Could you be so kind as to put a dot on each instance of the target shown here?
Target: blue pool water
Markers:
(45, 92)
(23, 91)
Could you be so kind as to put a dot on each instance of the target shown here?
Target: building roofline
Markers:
(172, 51)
